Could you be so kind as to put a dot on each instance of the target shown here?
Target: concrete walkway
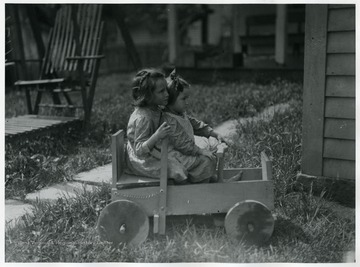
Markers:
(14, 209)
(229, 128)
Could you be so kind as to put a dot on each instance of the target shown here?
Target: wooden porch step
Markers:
(34, 124)
(59, 90)
(66, 90)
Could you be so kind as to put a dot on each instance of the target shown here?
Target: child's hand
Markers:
(207, 153)
(163, 131)
(221, 139)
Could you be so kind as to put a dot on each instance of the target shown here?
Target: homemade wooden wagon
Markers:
(247, 203)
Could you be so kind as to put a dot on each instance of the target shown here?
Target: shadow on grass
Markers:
(286, 231)
(185, 221)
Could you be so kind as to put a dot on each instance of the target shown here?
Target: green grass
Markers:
(306, 230)
(65, 232)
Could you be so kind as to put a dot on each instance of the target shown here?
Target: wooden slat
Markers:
(61, 42)
(32, 123)
(162, 207)
(90, 37)
(339, 168)
(37, 121)
(40, 82)
(76, 34)
(85, 29)
(69, 45)
(342, 108)
(266, 167)
(59, 106)
(70, 51)
(53, 37)
(340, 128)
(58, 38)
(39, 118)
(201, 198)
(340, 86)
(117, 150)
(25, 129)
(341, 42)
(340, 64)
(64, 119)
(339, 149)
(248, 174)
(67, 38)
(96, 41)
(341, 19)
(15, 122)
(81, 13)
(314, 88)
(14, 132)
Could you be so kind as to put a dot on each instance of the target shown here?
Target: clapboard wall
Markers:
(329, 92)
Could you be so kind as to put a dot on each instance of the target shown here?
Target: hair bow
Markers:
(175, 78)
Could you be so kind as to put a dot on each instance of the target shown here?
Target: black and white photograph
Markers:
(185, 132)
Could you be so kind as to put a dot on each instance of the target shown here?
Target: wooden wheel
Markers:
(249, 221)
(123, 221)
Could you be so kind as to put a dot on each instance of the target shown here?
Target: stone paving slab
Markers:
(98, 175)
(229, 128)
(66, 189)
(14, 209)
(90, 180)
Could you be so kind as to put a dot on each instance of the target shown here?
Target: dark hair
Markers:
(175, 85)
(143, 86)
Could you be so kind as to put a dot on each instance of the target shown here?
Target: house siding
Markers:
(339, 130)
(334, 127)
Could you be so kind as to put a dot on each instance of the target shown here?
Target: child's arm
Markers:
(159, 134)
(202, 129)
(219, 137)
(144, 136)
(180, 140)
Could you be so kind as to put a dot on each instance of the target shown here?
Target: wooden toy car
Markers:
(247, 203)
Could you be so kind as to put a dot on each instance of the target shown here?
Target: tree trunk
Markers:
(119, 15)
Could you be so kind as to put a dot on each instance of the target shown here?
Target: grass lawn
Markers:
(306, 230)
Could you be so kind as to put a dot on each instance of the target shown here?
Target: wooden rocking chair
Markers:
(71, 60)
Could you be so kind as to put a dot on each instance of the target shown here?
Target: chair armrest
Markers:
(85, 57)
(39, 82)
(9, 63)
